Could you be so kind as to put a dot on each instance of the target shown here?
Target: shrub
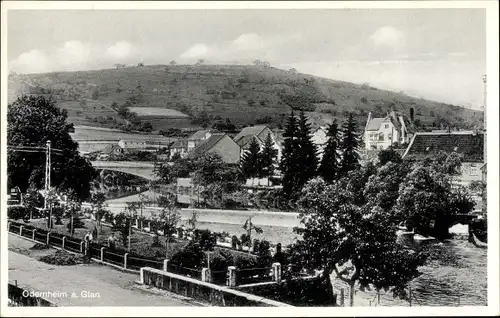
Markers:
(16, 212)
(63, 258)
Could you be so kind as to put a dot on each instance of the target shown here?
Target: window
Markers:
(386, 126)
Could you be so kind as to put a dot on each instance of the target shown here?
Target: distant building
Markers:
(319, 138)
(468, 144)
(112, 150)
(179, 147)
(218, 143)
(136, 145)
(381, 133)
(259, 133)
(197, 138)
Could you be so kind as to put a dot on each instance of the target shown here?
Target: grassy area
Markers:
(242, 93)
(141, 243)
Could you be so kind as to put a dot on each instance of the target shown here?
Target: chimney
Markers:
(369, 119)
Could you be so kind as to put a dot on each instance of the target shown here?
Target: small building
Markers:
(136, 145)
(111, 151)
(468, 144)
(198, 137)
(259, 133)
(218, 143)
(382, 133)
(179, 147)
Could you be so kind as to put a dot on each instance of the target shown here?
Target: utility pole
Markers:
(484, 117)
(47, 183)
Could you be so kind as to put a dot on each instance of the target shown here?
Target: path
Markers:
(114, 288)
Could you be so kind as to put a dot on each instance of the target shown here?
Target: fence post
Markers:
(102, 254)
(63, 241)
(8, 226)
(165, 265)
(342, 297)
(231, 273)
(277, 272)
(142, 274)
(205, 275)
(34, 231)
(21, 230)
(81, 246)
(48, 238)
(125, 256)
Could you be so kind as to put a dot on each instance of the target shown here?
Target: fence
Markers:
(210, 293)
(19, 297)
(99, 252)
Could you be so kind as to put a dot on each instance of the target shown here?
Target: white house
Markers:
(197, 138)
(381, 133)
(319, 138)
(259, 133)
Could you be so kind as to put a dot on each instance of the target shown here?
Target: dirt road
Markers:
(79, 285)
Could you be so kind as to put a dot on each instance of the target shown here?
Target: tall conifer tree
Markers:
(329, 167)
(251, 160)
(289, 164)
(308, 160)
(350, 144)
(268, 158)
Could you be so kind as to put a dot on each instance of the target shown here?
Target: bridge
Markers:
(143, 169)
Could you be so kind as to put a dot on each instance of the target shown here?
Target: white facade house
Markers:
(320, 138)
(197, 138)
(381, 133)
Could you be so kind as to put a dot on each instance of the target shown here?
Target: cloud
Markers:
(387, 36)
(120, 51)
(74, 56)
(243, 49)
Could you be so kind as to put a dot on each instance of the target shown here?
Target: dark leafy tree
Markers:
(329, 167)
(31, 122)
(428, 201)
(357, 244)
(122, 224)
(386, 155)
(350, 144)
(251, 165)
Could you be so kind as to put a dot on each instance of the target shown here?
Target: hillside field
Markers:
(242, 93)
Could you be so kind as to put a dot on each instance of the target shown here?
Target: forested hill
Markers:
(244, 94)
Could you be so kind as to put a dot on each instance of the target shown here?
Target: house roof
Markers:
(249, 131)
(206, 145)
(245, 141)
(110, 148)
(181, 143)
(198, 135)
(470, 145)
(374, 124)
(393, 117)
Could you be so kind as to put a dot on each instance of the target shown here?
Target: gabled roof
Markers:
(246, 140)
(249, 131)
(206, 145)
(393, 117)
(110, 148)
(470, 145)
(181, 143)
(375, 123)
(198, 135)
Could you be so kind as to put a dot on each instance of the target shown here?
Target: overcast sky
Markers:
(434, 53)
